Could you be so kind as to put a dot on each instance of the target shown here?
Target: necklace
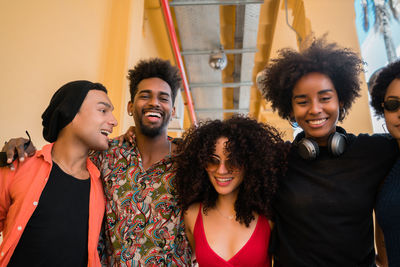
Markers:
(230, 217)
(76, 174)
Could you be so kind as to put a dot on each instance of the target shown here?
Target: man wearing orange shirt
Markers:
(52, 205)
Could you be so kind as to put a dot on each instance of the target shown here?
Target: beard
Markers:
(153, 131)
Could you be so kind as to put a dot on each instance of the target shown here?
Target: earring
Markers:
(384, 127)
(130, 113)
(342, 113)
(293, 123)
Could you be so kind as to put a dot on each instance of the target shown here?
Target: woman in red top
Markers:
(226, 179)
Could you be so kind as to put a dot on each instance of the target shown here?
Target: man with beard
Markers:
(143, 224)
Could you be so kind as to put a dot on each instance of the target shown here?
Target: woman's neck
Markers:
(225, 205)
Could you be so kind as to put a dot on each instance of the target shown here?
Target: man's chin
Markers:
(152, 132)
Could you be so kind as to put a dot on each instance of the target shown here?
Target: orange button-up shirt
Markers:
(20, 191)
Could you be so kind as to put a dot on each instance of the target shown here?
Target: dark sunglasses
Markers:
(391, 105)
(213, 163)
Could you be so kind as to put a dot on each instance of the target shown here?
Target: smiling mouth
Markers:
(223, 180)
(105, 132)
(316, 122)
(151, 114)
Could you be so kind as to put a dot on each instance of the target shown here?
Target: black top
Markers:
(324, 207)
(57, 232)
(388, 214)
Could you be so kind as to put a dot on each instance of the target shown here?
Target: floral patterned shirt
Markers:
(143, 224)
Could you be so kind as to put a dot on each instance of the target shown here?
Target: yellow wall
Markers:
(45, 44)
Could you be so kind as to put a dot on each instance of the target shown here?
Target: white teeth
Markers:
(152, 114)
(223, 180)
(315, 122)
(105, 132)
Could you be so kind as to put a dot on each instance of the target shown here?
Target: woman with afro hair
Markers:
(386, 103)
(323, 208)
(226, 178)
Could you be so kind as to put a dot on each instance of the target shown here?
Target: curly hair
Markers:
(256, 147)
(382, 82)
(154, 68)
(341, 65)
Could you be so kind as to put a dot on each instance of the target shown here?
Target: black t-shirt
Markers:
(324, 207)
(387, 211)
(57, 232)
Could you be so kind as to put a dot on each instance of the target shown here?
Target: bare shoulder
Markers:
(190, 215)
(193, 209)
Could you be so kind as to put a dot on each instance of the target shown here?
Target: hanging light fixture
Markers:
(218, 59)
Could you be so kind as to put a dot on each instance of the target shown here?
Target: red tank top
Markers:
(253, 253)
